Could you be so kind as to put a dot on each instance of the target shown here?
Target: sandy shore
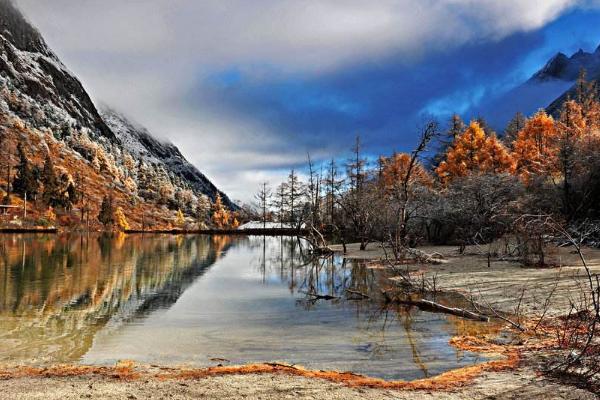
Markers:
(520, 383)
(500, 284)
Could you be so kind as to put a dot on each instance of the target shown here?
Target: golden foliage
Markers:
(535, 149)
(50, 216)
(121, 220)
(475, 152)
(221, 216)
(396, 167)
(497, 159)
(179, 219)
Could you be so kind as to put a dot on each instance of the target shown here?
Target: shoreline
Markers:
(253, 231)
(29, 230)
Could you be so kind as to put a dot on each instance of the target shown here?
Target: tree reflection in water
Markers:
(57, 291)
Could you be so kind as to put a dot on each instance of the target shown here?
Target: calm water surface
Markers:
(202, 300)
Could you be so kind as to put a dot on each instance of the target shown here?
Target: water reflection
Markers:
(196, 299)
(56, 292)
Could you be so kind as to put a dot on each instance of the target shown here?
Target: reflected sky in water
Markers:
(202, 300)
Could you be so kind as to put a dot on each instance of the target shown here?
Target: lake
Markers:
(199, 300)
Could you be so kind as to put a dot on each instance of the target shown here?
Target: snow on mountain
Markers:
(38, 90)
(561, 67)
(143, 146)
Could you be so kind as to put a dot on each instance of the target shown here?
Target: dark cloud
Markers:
(384, 101)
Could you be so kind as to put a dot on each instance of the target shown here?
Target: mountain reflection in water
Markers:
(195, 299)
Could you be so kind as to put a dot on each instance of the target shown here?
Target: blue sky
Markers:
(246, 89)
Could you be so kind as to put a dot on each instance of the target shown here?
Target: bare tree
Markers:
(279, 203)
(334, 185)
(263, 196)
(295, 195)
(313, 191)
(356, 167)
(403, 186)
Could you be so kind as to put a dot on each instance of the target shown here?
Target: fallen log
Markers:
(317, 296)
(435, 258)
(357, 293)
(428, 305)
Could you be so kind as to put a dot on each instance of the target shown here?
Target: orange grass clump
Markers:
(62, 371)
(445, 381)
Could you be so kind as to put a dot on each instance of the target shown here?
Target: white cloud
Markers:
(296, 34)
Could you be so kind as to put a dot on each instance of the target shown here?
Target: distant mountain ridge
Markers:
(561, 67)
(39, 90)
(547, 88)
(568, 69)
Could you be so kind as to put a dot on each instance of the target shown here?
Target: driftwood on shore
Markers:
(428, 305)
(435, 258)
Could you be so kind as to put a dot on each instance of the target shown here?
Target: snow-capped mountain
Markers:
(561, 67)
(567, 69)
(143, 146)
(29, 66)
(40, 95)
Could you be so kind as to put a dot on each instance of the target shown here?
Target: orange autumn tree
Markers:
(475, 152)
(536, 147)
(221, 215)
(121, 220)
(395, 170)
(496, 157)
(235, 223)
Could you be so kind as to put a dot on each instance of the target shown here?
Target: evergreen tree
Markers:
(485, 126)
(74, 190)
(516, 125)
(25, 181)
(51, 195)
(456, 127)
(106, 215)
(180, 219)
(203, 211)
(121, 220)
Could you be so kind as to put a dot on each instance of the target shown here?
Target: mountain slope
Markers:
(144, 147)
(44, 106)
(36, 71)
